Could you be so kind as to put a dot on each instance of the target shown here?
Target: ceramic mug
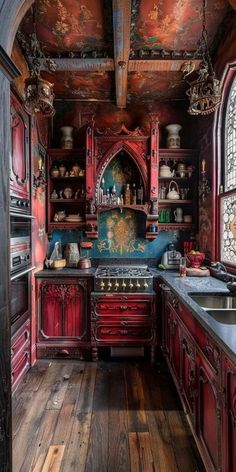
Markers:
(178, 215)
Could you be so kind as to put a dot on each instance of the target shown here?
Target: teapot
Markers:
(173, 193)
(165, 171)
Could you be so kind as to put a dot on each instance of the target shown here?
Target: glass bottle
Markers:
(114, 196)
(134, 200)
(140, 194)
(127, 195)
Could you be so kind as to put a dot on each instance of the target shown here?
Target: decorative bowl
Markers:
(58, 264)
(195, 260)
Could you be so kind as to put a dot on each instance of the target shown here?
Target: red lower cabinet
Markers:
(20, 353)
(206, 381)
(63, 324)
(209, 421)
(123, 320)
(229, 415)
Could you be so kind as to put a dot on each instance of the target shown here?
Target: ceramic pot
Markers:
(62, 170)
(165, 171)
(72, 255)
(178, 215)
(173, 139)
(68, 192)
(173, 193)
(54, 171)
(67, 138)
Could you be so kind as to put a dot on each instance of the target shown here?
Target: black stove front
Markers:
(124, 278)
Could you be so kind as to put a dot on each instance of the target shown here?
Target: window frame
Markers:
(228, 78)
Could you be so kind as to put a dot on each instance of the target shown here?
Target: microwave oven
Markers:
(20, 242)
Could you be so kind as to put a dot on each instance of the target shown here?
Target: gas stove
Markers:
(123, 278)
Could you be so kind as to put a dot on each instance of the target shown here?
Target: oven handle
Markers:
(22, 215)
(19, 274)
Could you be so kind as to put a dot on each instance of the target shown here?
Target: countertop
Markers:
(66, 272)
(224, 334)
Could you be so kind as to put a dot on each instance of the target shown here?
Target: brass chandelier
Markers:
(38, 91)
(204, 93)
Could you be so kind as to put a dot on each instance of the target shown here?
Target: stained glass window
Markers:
(228, 229)
(228, 198)
(230, 140)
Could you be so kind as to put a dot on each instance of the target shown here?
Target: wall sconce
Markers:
(204, 187)
(39, 180)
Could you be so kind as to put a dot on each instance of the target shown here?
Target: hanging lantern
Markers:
(39, 94)
(204, 93)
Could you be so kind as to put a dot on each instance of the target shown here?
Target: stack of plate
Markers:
(74, 218)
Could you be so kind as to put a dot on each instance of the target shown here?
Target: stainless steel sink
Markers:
(223, 316)
(211, 301)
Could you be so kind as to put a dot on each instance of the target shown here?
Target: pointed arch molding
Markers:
(137, 157)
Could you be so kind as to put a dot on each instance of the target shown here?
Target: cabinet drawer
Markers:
(122, 306)
(117, 333)
(20, 340)
(20, 365)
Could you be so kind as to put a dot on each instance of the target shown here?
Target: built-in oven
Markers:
(20, 242)
(20, 298)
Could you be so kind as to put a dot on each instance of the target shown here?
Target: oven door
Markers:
(20, 244)
(19, 299)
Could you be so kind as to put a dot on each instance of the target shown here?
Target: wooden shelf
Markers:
(92, 234)
(67, 200)
(143, 208)
(66, 224)
(176, 226)
(79, 177)
(175, 202)
(176, 178)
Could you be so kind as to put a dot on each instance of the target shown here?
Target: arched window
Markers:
(227, 197)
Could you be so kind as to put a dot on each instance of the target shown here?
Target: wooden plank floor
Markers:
(113, 416)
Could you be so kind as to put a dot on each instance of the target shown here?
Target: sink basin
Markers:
(218, 301)
(223, 316)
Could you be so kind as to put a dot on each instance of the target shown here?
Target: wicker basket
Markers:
(58, 264)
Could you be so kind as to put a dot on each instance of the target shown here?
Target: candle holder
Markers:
(204, 186)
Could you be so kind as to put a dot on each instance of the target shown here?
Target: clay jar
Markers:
(62, 170)
(76, 169)
(54, 171)
(173, 139)
(68, 192)
(72, 254)
(67, 138)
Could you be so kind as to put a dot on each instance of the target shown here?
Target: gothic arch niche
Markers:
(120, 157)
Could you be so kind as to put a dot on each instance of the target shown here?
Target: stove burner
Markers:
(128, 278)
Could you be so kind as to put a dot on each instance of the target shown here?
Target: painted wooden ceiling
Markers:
(120, 50)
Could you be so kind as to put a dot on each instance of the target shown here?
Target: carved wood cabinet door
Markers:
(19, 157)
(63, 310)
(229, 415)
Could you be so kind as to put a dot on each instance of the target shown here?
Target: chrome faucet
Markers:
(219, 267)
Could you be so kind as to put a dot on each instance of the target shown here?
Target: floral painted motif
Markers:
(121, 234)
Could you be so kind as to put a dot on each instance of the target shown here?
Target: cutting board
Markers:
(197, 272)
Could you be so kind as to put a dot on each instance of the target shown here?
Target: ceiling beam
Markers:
(80, 65)
(121, 31)
(159, 65)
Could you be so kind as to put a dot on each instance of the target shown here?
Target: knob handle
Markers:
(137, 284)
(131, 284)
(102, 285)
(116, 285)
(145, 284)
(123, 284)
(109, 285)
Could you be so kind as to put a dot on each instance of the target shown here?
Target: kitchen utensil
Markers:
(171, 258)
(173, 193)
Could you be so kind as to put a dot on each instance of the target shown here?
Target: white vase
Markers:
(173, 139)
(67, 138)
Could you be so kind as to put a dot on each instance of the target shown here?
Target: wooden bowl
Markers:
(58, 264)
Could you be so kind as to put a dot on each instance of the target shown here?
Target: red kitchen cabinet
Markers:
(173, 342)
(194, 360)
(20, 353)
(229, 415)
(123, 320)
(63, 325)
(209, 413)
(19, 159)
